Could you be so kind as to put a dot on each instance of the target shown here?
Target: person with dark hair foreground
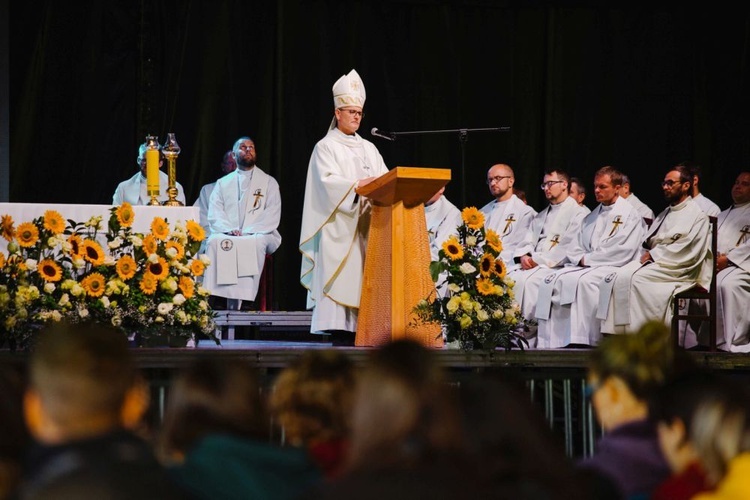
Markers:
(84, 395)
(215, 436)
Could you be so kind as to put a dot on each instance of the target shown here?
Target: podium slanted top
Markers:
(410, 185)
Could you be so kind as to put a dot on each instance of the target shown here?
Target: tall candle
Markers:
(152, 171)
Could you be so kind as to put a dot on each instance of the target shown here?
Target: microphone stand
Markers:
(463, 137)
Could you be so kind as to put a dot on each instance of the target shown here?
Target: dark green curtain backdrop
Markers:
(580, 84)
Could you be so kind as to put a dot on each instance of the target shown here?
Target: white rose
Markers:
(105, 301)
(116, 243)
(171, 252)
(77, 290)
(153, 258)
(79, 263)
(178, 299)
(64, 300)
(203, 305)
(31, 265)
(56, 316)
(482, 315)
(204, 258)
(467, 268)
(136, 241)
(454, 287)
(471, 241)
(66, 246)
(164, 308)
(181, 317)
(52, 242)
(83, 312)
(49, 288)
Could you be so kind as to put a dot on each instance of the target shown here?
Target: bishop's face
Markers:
(349, 119)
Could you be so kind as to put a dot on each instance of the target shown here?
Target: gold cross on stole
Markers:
(616, 222)
(258, 196)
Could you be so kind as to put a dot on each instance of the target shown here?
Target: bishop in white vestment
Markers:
(335, 219)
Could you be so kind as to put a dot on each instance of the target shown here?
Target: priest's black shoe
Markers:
(248, 305)
(341, 338)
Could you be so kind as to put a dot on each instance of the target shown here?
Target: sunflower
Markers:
(453, 249)
(49, 270)
(197, 267)
(92, 252)
(187, 286)
(160, 268)
(2, 259)
(159, 228)
(126, 267)
(493, 240)
(148, 283)
(54, 222)
(486, 264)
(177, 246)
(93, 284)
(195, 231)
(149, 244)
(75, 244)
(472, 217)
(500, 268)
(27, 234)
(485, 286)
(6, 227)
(125, 214)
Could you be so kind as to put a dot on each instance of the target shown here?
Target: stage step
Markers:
(275, 321)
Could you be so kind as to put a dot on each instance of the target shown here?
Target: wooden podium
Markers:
(397, 262)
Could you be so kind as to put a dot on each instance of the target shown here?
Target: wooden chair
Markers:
(697, 292)
(264, 299)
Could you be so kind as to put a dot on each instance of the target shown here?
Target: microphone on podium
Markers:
(383, 134)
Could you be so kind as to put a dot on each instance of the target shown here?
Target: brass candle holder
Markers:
(171, 151)
(152, 169)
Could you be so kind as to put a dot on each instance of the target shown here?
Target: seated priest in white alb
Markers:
(675, 256)
(133, 190)
(243, 213)
(610, 237)
(507, 214)
(443, 218)
(553, 231)
(732, 280)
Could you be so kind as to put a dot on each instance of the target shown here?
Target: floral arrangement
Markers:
(473, 299)
(146, 285)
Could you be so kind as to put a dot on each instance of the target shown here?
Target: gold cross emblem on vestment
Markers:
(743, 235)
(555, 240)
(615, 223)
(510, 220)
(258, 196)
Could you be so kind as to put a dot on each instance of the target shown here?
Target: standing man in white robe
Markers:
(610, 237)
(335, 219)
(507, 215)
(244, 212)
(134, 190)
(675, 256)
(626, 193)
(443, 218)
(553, 231)
(733, 261)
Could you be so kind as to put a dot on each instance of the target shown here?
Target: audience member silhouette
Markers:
(311, 401)
(215, 436)
(84, 395)
(14, 438)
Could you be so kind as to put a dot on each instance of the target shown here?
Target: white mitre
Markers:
(348, 91)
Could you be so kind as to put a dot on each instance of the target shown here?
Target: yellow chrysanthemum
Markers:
(160, 228)
(126, 267)
(125, 214)
(92, 252)
(197, 267)
(486, 264)
(75, 244)
(49, 270)
(177, 246)
(186, 286)
(472, 217)
(500, 268)
(27, 234)
(54, 222)
(160, 268)
(485, 286)
(148, 283)
(94, 284)
(6, 227)
(195, 231)
(149, 244)
(493, 240)
(453, 249)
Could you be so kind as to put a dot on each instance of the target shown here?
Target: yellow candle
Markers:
(152, 172)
